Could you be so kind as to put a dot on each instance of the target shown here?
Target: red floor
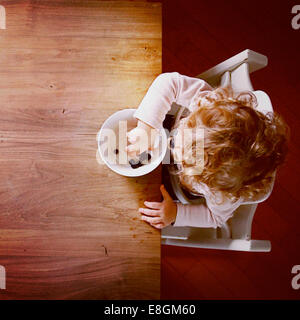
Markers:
(196, 36)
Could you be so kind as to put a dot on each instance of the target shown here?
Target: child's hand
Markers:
(136, 136)
(160, 214)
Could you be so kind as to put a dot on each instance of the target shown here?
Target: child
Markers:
(242, 149)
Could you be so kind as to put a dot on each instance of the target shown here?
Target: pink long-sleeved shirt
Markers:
(183, 90)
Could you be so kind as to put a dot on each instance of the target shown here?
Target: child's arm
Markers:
(165, 89)
(199, 215)
(162, 214)
(168, 88)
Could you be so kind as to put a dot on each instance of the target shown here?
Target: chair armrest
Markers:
(222, 244)
(254, 59)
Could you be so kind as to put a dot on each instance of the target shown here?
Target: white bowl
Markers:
(125, 169)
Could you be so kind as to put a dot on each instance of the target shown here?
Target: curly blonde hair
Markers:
(242, 146)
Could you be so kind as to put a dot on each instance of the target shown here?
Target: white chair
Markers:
(236, 233)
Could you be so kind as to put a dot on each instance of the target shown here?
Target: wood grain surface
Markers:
(69, 227)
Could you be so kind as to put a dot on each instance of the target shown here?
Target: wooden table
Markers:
(70, 228)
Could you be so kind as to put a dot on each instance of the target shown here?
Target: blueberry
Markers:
(144, 156)
(172, 143)
(134, 163)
